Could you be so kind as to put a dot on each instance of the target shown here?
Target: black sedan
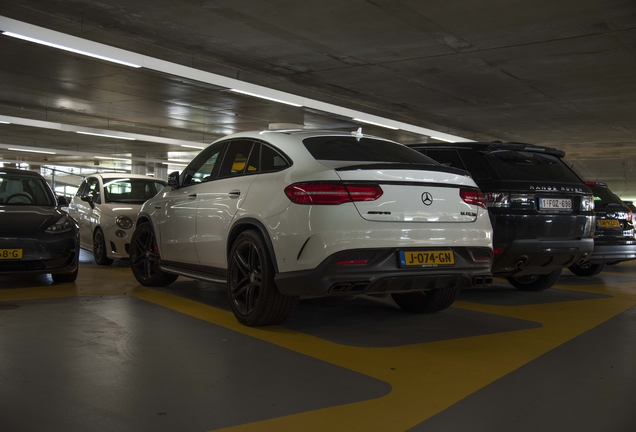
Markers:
(35, 235)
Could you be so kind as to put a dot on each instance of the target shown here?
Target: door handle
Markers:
(235, 193)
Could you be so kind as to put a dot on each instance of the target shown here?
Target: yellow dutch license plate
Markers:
(609, 223)
(9, 254)
(427, 258)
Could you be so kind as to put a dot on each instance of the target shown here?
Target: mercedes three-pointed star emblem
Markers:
(427, 198)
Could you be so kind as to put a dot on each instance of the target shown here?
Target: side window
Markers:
(271, 160)
(81, 190)
(448, 158)
(204, 167)
(235, 159)
(93, 190)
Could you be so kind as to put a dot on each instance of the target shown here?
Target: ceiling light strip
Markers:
(30, 150)
(18, 27)
(106, 136)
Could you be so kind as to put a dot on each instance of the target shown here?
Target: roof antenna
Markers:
(358, 134)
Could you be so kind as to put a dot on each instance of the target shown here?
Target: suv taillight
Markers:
(629, 216)
(473, 196)
(331, 193)
(587, 203)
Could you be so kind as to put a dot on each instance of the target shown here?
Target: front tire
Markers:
(254, 297)
(144, 258)
(99, 248)
(587, 270)
(426, 301)
(535, 282)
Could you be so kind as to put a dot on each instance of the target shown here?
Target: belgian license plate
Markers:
(9, 254)
(609, 223)
(555, 203)
(426, 258)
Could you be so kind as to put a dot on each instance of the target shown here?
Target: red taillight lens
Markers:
(629, 216)
(331, 193)
(473, 196)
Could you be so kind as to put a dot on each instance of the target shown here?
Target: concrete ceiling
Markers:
(557, 73)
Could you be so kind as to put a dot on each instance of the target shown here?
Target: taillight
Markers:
(497, 199)
(331, 193)
(473, 196)
(629, 216)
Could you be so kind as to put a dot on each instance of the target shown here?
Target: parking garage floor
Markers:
(106, 354)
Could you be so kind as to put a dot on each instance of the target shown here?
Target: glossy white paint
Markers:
(202, 223)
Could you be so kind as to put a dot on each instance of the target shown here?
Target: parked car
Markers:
(614, 238)
(35, 235)
(277, 215)
(106, 206)
(542, 213)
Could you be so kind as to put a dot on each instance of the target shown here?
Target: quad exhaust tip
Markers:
(482, 281)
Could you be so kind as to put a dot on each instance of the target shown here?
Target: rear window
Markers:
(342, 148)
(603, 197)
(523, 165)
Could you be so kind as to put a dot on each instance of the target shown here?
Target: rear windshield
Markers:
(523, 165)
(342, 148)
(603, 197)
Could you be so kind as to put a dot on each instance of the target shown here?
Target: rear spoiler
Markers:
(525, 147)
(404, 166)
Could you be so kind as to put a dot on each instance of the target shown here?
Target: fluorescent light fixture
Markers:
(4, 122)
(174, 163)
(113, 158)
(73, 50)
(31, 151)
(375, 124)
(177, 161)
(191, 146)
(264, 97)
(442, 139)
(107, 136)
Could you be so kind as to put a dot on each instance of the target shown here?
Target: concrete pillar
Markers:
(161, 171)
(138, 168)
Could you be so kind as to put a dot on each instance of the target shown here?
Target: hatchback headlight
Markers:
(124, 222)
(64, 224)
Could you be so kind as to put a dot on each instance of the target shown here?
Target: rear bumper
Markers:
(535, 256)
(383, 274)
(621, 249)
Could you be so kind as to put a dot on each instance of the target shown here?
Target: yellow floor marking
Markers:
(425, 378)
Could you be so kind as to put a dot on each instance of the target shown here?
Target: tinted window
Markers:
(127, 190)
(204, 167)
(342, 148)
(271, 160)
(235, 159)
(448, 158)
(523, 165)
(603, 197)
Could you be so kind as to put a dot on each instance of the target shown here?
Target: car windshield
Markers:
(353, 149)
(131, 190)
(17, 189)
(603, 197)
(525, 165)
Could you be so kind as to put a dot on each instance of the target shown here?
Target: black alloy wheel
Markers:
(538, 282)
(65, 277)
(144, 258)
(99, 248)
(254, 297)
(587, 269)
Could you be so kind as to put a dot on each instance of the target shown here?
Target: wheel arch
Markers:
(244, 225)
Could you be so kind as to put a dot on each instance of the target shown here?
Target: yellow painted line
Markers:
(425, 378)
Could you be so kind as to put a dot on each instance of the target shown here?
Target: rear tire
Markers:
(426, 301)
(535, 282)
(254, 297)
(65, 277)
(587, 270)
(99, 248)
(144, 258)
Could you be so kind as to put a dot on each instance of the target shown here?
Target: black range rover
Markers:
(542, 213)
(614, 237)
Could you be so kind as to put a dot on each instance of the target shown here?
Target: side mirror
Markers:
(88, 199)
(62, 201)
(173, 179)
